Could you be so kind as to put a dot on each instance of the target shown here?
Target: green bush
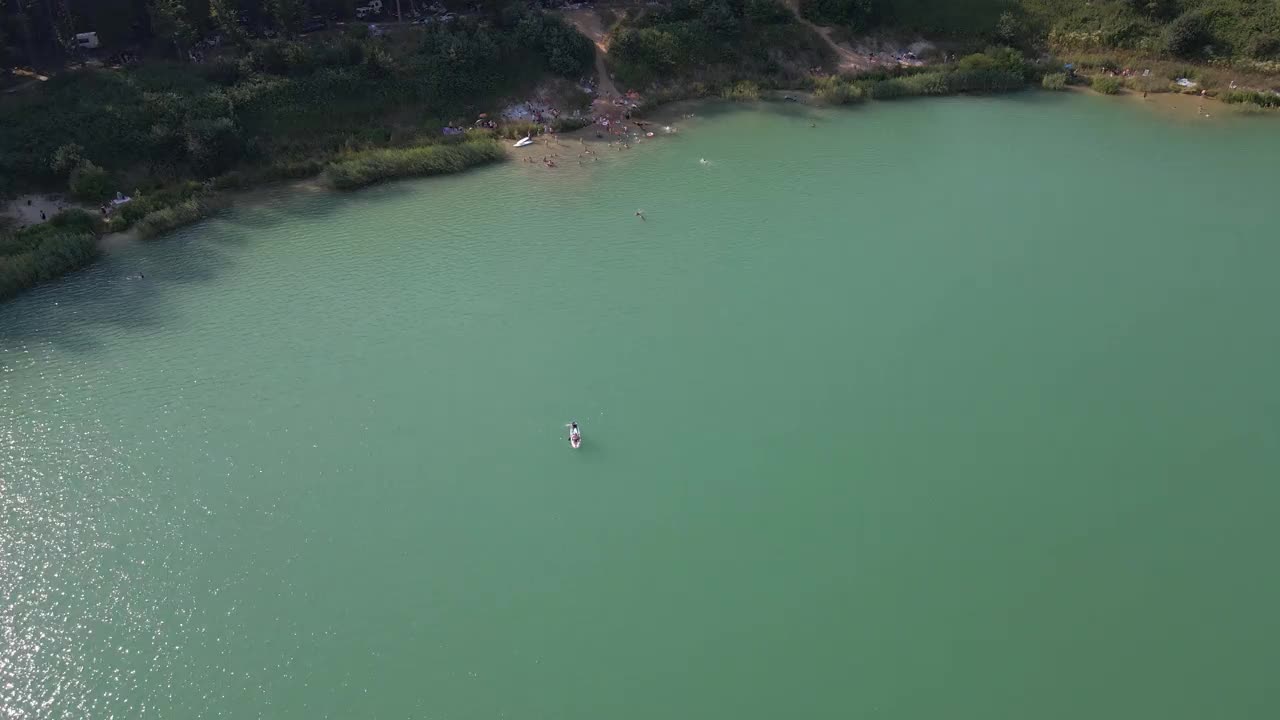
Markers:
(569, 124)
(922, 84)
(373, 166)
(742, 91)
(1106, 84)
(837, 91)
(860, 15)
(767, 12)
(1188, 35)
(233, 180)
(225, 71)
(90, 183)
(378, 63)
(1054, 81)
(43, 252)
(289, 169)
(1261, 99)
(174, 216)
(66, 158)
(1264, 46)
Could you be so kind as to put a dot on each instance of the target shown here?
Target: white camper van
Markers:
(373, 7)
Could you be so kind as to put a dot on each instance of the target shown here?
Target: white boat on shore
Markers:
(526, 140)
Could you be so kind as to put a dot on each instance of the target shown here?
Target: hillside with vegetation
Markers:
(278, 105)
(1196, 30)
(715, 41)
(355, 103)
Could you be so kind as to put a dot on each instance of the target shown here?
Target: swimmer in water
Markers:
(640, 214)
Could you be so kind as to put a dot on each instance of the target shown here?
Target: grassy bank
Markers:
(1243, 33)
(1161, 75)
(36, 254)
(996, 70)
(373, 166)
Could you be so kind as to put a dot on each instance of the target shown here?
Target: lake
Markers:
(959, 408)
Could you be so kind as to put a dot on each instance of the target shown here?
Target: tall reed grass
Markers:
(1252, 97)
(834, 90)
(373, 166)
(33, 255)
(172, 217)
(742, 91)
(1054, 81)
(1106, 84)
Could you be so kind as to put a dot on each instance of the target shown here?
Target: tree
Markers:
(1188, 35)
(66, 157)
(24, 26)
(1158, 9)
(59, 23)
(4, 39)
(287, 15)
(90, 182)
(857, 14)
(169, 23)
(719, 20)
(1264, 47)
(767, 12)
(225, 16)
(1008, 28)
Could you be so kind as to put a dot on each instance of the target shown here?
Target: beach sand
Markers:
(1177, 106)
(25, 210)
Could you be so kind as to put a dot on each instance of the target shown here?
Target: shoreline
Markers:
(1179, 105)
(1167, 104)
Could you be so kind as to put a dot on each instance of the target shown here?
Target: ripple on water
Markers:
(94, 606)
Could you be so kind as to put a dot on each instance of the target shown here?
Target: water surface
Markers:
(960, 408)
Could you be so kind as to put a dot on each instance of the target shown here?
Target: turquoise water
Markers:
(958, 408)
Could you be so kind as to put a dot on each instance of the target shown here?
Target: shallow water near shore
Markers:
(955, 408)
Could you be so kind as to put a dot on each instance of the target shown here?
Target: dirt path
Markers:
(850, 61)
(588, 23)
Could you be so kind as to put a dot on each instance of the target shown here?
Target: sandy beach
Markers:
(1170, 105)
(25, 210)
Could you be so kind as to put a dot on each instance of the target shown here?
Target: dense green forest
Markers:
(41, 32)
(273, 102)
(350, 103)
